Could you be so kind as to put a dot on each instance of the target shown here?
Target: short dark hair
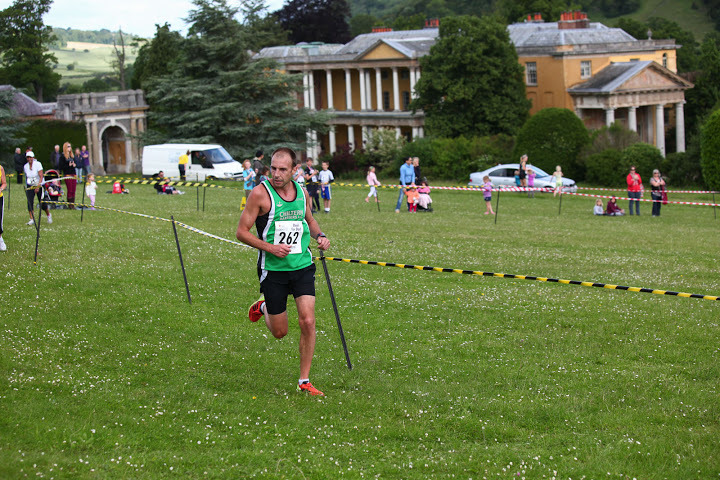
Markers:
(259, 153)
(287, 150)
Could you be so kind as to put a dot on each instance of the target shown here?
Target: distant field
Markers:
(89, 59)
(694, 20)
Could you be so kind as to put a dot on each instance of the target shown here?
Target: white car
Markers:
(504, 176)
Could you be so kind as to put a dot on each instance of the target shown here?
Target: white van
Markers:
(206, 161)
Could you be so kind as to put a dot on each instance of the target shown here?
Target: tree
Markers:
(261, 28)
(705, 96)
(157, 57)
(118, 61)
(471, 83)
(644, 157)
(362, 23)
(551, 137)
(8, 127)
(216, 94)
(710, 148)
(24, 40)
(316, 20)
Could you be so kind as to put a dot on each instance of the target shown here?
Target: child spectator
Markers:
(487, 195)
(424, 194)
(91, 189)
(531, 183)
(54, 191)
(413, 197)
(557, 180)
(326, 178)
(372, 181)
(264, 172)
(248, 178)
(598, 208)
(518, 183)
(613, 209)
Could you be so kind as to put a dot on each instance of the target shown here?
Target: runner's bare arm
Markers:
(258, 203)
(323, 242)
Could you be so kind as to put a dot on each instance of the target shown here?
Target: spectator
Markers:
(311, 180)
(424, 200)
(373, 182)
(657, 187)
(416, 169)
(91, 190)
(67, 167)
(33, 170)
(77, 158)
(635, 188)
(55, 157)
(598, 208)
(3, 186)
(326, 177)
(487, 195)
(258, 166)
(413, 198)
(557, 180)
(523, 171)
(248, 178)
(85, 155)
(182, 164)
(19, 164)
(407, 177)
(531, 183)
(613, 209)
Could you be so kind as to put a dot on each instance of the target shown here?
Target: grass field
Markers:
(96, 60)
(108, 372)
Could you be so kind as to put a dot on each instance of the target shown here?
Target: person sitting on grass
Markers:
(613, 209)
(424, 200)
(598, 208)
(162, 185)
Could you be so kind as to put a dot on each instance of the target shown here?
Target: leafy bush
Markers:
(710, 151)
(603, 168)
(682, 168)
(645, 157)
(554, 136)
(615, 137)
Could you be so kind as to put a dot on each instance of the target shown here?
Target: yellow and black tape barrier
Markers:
(422, 267)
(527, 277)
(148, 181)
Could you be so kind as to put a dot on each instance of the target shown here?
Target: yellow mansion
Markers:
(603, 74)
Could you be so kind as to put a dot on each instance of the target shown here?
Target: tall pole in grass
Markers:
(82, 206)
(497, 203)
(337, 315)
(182, 265)
(560, 205)
(204, 190)
(37, 227)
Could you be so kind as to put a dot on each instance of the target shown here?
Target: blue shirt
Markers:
(407, 174)
(248, 177)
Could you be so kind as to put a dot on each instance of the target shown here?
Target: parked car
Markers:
(504, 176)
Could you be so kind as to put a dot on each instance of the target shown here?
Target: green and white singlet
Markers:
(285, 224)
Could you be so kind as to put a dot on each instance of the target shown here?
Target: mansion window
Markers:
(531, 73)
(386, 100)
(585, 69)
(406, 100)
(664, 60)
(404, 73)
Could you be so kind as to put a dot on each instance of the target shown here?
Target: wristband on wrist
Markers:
(321, 234)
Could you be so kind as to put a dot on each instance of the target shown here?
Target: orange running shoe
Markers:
(308, 387)
(255, 312)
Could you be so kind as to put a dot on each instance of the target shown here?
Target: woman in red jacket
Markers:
(635, 188)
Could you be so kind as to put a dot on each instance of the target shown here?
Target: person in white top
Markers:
(91, 190)
(3, 186)
(33, 187)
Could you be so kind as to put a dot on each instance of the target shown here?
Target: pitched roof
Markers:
(549, 35)
(613, 77)
(24, 106)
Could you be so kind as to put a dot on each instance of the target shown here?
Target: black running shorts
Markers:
(276, 286)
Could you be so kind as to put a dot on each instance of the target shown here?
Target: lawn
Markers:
(106, 371)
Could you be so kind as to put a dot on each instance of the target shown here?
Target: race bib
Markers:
(289, 233)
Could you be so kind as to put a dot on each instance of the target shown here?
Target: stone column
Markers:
(128, 155)
(333, 141)
(414, 133)
(365, 135)
(421, 132)
(632, 118)
(348, 90)
(351, 137)
(609, 116)
(328, 79)
(311, 80)
(396, 89)
(660, 128)
(412, 82)
(378, 89)
(95, 147)
(680, 126)
(363, 100)
(398, 133)
(306, 90)
(368, 89)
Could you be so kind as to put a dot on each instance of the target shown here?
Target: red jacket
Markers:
(634, 185)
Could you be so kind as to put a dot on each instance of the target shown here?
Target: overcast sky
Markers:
(133, 16)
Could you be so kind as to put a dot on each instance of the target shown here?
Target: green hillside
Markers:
(88, 60)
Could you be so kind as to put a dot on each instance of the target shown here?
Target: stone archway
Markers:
(114, 151)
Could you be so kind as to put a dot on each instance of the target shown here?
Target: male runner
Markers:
(281, 212)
